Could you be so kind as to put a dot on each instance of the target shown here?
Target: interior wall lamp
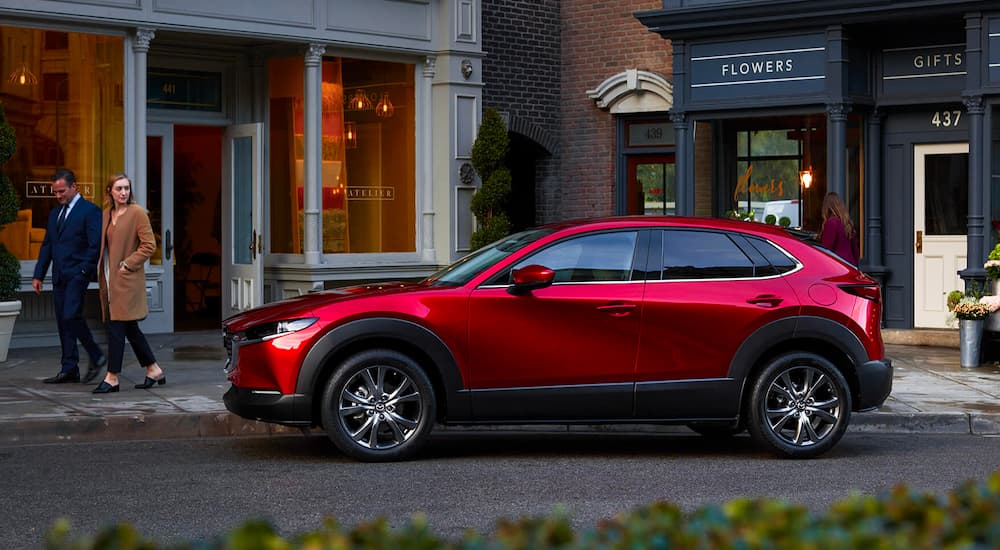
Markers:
(22, 76)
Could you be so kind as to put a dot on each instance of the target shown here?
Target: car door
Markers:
(715, 289)
(566, 351)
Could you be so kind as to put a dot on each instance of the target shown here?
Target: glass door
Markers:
(242, 235)
(940, 217)
(651, 188)
(159, 202)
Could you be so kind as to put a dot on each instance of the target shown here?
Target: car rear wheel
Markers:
(378, 406)
(800, 406)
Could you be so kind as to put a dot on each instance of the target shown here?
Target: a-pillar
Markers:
(140, 52)
(313, 155)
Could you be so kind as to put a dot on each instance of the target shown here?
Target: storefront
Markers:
(891, 105)
(281, 149)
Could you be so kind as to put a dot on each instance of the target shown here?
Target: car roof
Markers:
(613, 222)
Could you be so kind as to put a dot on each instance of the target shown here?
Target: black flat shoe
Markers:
(150, 382)
(104, 387)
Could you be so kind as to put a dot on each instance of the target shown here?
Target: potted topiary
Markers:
(489, 204)
(10, 267)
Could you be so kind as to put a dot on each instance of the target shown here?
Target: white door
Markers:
(155, 192)
(242, 219)
(940, 212)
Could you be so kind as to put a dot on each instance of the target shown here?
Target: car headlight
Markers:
(269, 331)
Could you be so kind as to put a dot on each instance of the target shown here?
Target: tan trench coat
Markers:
(123, 295)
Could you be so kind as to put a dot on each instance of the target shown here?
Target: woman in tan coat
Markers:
(126, 243)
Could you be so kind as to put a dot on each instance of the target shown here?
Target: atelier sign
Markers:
(43, 190)
(371, 193)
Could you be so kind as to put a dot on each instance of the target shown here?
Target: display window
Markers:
(368, 173)
(62, 94)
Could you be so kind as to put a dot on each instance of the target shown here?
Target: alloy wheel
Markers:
(803, 406)
(380, 407)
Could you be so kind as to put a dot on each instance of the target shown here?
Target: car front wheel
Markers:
(378, 406)
(799, 405)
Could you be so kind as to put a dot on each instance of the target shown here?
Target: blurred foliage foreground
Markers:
(968, 517)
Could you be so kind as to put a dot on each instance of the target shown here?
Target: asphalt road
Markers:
(194, 489)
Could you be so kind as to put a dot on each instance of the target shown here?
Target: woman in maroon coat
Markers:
(838, 232)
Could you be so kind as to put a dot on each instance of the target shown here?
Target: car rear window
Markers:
(780, 262)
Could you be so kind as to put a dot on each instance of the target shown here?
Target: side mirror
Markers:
(531, 277)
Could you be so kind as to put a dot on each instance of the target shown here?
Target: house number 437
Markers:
(946, 118)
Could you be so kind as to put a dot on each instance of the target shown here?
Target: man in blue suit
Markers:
(72, 244)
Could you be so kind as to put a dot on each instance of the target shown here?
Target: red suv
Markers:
(719, 325)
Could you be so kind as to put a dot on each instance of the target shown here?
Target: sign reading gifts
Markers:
(786, 65)
(922, 70)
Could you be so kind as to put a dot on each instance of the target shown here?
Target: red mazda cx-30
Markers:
(719, 325)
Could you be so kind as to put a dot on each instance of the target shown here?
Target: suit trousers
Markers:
(68, 296)
(118, 331)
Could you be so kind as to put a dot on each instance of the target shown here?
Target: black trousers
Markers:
(117, 332)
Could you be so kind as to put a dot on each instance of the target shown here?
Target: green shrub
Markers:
(489, 204)
(968, 517)
(770, 219)
(785, 221)
(10, 267)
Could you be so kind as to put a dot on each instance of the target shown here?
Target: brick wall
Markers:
(599, 40)
(521, 74)
(541, 58)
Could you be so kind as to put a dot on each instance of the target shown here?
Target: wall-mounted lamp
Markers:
(350, 135)
(22, 76)
(806, 177)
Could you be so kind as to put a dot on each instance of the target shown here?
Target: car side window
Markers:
(703, 255)
(589, 258)
(780, 262)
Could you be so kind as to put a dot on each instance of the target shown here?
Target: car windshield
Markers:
(468, 267)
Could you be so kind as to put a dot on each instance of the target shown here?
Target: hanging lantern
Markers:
(350, 135)
(359, 101)
(384, 108)
(22, 76)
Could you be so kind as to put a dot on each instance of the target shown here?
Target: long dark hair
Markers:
(833, 206)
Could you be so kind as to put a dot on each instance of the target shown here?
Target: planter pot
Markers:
(8, 314)
(970, 338)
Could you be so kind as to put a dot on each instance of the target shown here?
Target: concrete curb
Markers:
(223, 424)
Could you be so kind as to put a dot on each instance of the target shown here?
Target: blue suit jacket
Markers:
(75, 247)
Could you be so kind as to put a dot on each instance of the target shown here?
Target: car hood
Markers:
(302, 306)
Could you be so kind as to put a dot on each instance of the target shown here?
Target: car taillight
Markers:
(871, 292)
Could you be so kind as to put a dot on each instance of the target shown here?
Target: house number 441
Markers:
(946, 118)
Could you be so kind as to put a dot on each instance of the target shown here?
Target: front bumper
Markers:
(874, 384)
(268, 406)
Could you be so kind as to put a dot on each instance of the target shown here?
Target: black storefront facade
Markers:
(895, 106)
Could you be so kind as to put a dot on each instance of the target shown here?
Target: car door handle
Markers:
(766, 300)
(617, 309)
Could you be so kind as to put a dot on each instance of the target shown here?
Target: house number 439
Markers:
(946, 118)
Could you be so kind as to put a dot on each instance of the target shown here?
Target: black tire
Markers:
(378, 406)
(800, 405)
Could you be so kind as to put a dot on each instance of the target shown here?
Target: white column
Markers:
(140, 50)
(313, 155)
(426, 124)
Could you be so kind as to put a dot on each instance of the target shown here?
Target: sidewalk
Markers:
(931, 394)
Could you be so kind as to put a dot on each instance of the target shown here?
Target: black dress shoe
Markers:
(94, 369)
(63, 378)
(104, 387)
(149, 382)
